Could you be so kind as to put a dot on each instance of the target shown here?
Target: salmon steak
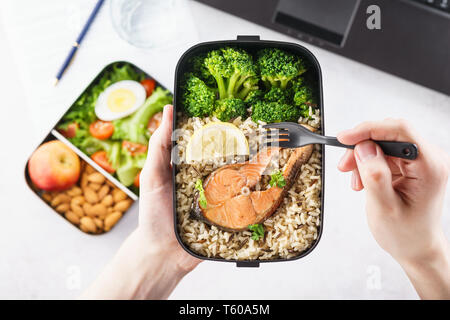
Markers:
(232, 203)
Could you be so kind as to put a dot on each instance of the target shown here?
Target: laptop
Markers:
(406, 38)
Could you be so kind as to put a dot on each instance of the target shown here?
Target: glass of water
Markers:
(147, 23)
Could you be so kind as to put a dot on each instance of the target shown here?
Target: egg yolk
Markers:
(121, 100)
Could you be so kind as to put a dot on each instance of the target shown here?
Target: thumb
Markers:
(162, 136)
(375, 173)
(156, 170)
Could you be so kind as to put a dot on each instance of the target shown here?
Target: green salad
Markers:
(113, 120)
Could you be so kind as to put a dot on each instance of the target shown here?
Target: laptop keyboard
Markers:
(443, 5)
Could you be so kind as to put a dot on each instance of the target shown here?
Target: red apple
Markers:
(54, 166)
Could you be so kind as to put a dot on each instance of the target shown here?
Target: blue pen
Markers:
(77, 43)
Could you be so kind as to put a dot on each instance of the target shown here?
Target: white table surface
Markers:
(42, 256)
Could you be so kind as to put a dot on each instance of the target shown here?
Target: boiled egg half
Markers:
(120, 100)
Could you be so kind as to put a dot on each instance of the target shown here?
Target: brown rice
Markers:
(292, 229)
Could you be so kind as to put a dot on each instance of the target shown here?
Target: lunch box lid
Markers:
(249, 41)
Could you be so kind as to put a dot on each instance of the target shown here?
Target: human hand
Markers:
(404, 197)
(156, 223)
(150, 262)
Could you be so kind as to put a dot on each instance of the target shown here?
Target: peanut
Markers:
(96, 177)
(90, 195)
(47, 197)
(63, 207)
(98, 223)
(87, 208)
(77, 209)
(108, 200)
(78, 200)
(94, 186)
(103, 192)
(111, 219)
(84, 181)
(97, 210)
(83, 228)
(74, 191)
(60, 198)
(122, 205)
(119, 195)
(88, 224)
(72, 217)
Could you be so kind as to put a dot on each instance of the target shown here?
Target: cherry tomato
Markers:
(134, 148)
(136, 179)
(71, 130)
(101, 129)
(154, 122)
(101, 159)
(149, 86)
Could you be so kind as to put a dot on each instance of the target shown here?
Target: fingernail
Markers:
(365, 150)
(342, 133)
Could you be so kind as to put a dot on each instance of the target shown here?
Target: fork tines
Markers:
(275, 137)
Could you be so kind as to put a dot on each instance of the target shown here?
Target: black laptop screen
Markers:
(328, 20)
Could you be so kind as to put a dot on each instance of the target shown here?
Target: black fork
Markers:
(293, 135)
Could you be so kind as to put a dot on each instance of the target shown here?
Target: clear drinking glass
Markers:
(147, 23)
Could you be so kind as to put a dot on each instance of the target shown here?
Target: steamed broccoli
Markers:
(270, 112)
(134, 127)
(224, 83)
(253, 97)
(234, 71)
(197, 98)
(278, 67)
(278, 95)
(200, 70)
(230, 108)
(303, 96)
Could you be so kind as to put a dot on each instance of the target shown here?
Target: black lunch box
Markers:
(55, 135)
(250, 43)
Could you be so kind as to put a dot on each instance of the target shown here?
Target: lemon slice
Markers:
(216, 139)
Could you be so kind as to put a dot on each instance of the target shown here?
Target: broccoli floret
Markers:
(303, 99)
(270, 112)
(278, 67)
(250, 85)
(229, 108)
(197, 98)
(200, 70)
(134, 127)
(234, 71)
(253, 97)
(278, 95)
(303, 96)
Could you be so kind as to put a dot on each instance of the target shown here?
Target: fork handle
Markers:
(404, 150)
